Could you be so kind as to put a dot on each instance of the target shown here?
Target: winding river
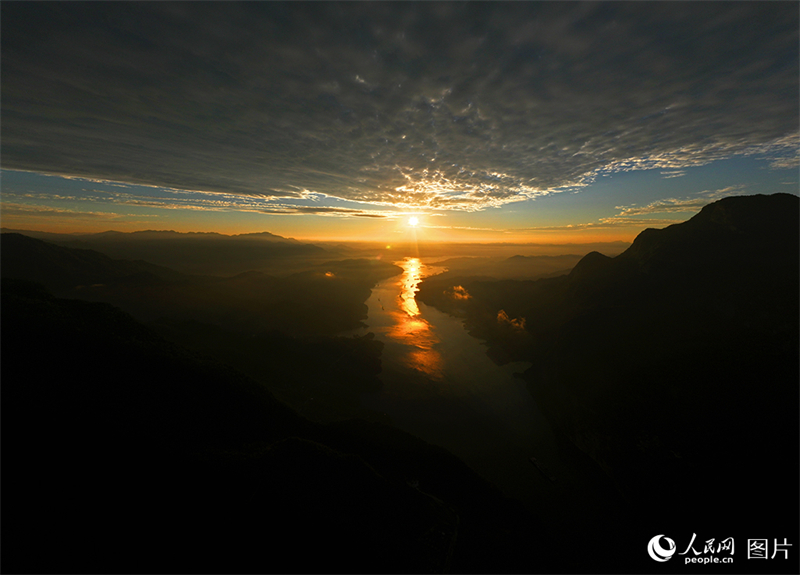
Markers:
(440, 385)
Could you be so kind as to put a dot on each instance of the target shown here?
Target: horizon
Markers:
(329, 240)
(550, 123)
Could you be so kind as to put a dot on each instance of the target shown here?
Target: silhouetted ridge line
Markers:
(669, 362)
(146, 234)
(206, 253)
(763, 221)
(674, 365)
(589, 264)
(63, 268)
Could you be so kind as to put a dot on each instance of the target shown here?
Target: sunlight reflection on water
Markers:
(412, 275)
(410, 329)
(477, 410)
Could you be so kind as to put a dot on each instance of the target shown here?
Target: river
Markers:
(439, 384)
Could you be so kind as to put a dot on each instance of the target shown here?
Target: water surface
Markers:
(440, 385)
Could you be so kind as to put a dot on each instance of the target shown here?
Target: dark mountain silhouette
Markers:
(325, 301)
(214, 254)
(265, 236)
(46, 236)
(673, 365)
(279, 330)
(145, 235)
(125, 453)
(64, 269)
(196, 253)
(736, 254)
(744, 240)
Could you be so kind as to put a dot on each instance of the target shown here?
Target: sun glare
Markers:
(413, 221)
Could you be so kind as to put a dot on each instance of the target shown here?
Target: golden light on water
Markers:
(412, 269)
(414, 332)
(418, 335)
(410, 329)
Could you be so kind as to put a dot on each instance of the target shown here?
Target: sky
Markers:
(549, 122)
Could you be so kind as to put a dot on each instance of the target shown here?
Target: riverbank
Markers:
(439, 384)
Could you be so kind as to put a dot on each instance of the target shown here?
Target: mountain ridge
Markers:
(668, 362)
(654, 353)
(148, 234)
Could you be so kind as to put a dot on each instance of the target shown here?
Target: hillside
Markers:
(153, 455)
(673, 365)
(324, 300)
(63, 268)
(266, 326)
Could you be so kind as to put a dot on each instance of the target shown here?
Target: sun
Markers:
(413, 221)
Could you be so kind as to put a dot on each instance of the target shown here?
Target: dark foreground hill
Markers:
(124, 453)
(279, 330)
(673, 365)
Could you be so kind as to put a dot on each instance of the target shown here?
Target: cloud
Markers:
(627, 216)
(459, 293)
(435, 106)
(612, 222)
(325, 211)
(665, 206)
(783, 153)
(170, 199)
(620, 222)
(714, 195)
(516, 323)
(468, 228)
(678, 205)
(94, 180)
(22, 210)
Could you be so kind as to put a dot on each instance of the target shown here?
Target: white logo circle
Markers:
(657, 552)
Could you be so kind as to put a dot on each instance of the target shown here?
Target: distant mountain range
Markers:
(195, 253)
(146, 235)
(306, 302)
(62, 269)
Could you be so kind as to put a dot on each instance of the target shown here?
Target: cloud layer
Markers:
(424, 106)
